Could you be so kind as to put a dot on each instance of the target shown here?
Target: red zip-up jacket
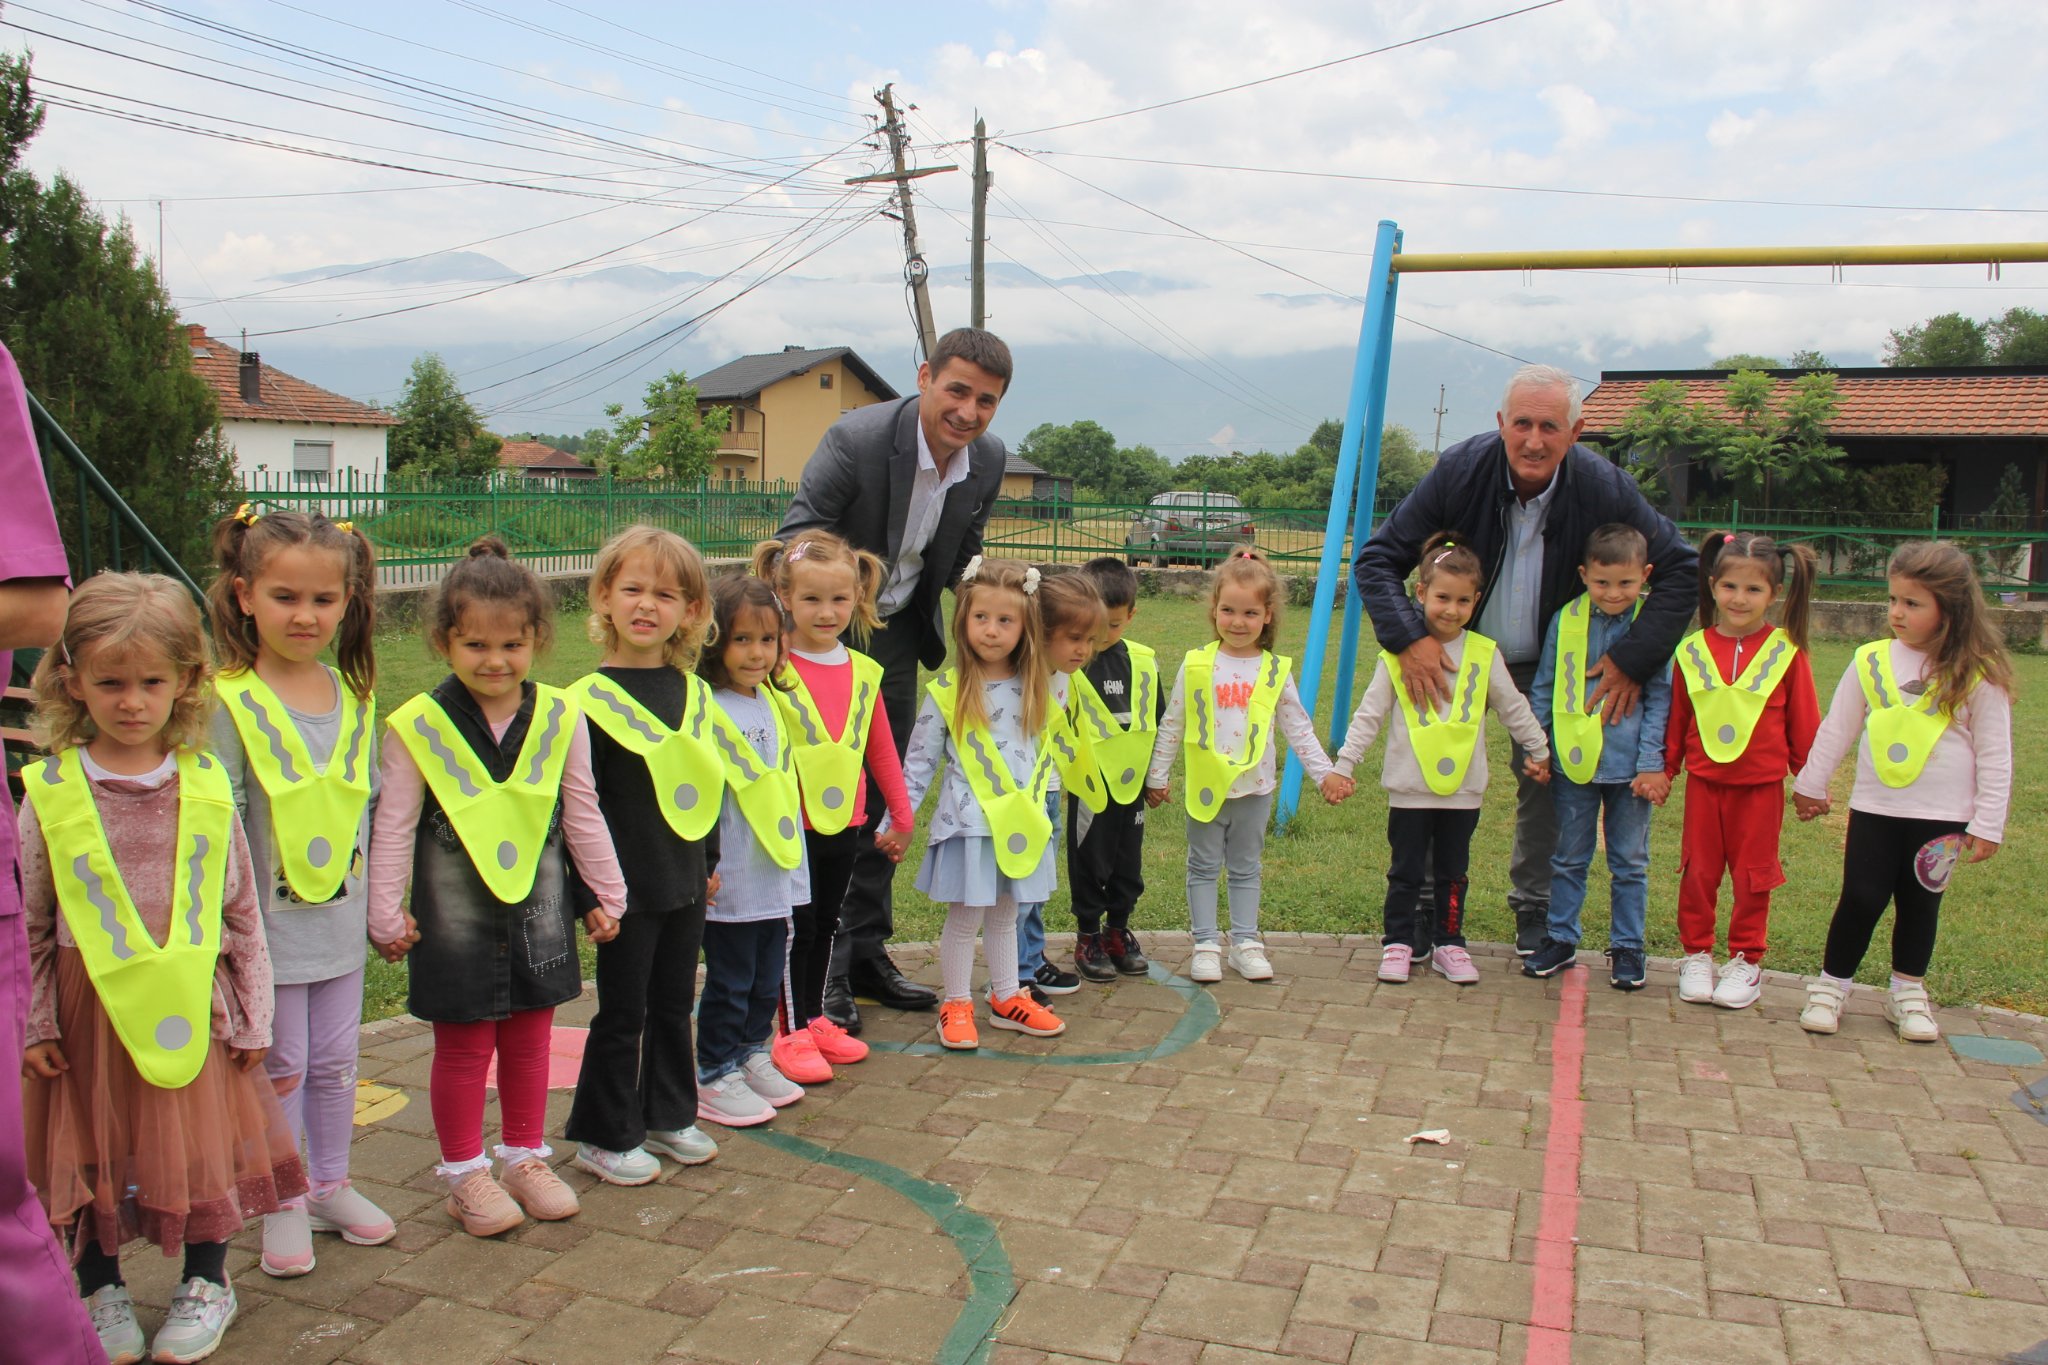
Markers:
(1783, 734)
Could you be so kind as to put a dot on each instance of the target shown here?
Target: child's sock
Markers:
(1901, 981)
(453, 1173)
(206, 1261)
(97, 1268)
(1844, 985)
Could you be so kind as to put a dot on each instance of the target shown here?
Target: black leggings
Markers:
(1882, 863)
(98, 1267)
(1434, 844)
(813, 926)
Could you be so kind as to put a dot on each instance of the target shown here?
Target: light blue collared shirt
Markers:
(1513, 615)
(920, 524)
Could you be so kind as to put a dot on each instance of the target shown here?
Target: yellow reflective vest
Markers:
(1015, 810)
(1073, 751)
(828, 770)
(159, 999)
(1902, 729)
(503, 825)
(688, 777)
(1122, 752)
(767, 794)
(1444, 742)
(1727, 712)
(1210, 771)
(315, 813)
(1580, 733)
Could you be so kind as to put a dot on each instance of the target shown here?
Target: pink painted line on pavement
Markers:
(1554, 1286)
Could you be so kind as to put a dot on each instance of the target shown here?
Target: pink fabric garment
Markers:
(831, 687)
(402, 796)
(142, 832)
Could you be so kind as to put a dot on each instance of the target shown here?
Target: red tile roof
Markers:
(539, 455)
(1874, 402)
(281, 397)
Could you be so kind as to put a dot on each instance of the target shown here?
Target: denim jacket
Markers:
(1634, 744)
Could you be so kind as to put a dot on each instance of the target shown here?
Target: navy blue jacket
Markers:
(1467, 493)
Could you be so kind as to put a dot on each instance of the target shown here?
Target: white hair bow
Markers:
(1031, 581)
(973, 567)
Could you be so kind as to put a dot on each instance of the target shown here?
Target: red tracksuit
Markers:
(1733, 811)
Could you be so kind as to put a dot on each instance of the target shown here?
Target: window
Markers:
(825, 380)
(312, 462)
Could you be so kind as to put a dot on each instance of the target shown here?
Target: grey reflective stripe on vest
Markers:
(742, 756)
(424, 728)
(548, 738)
(1763, 670)
(857, 716)
(1877, 680)
(626, 713)
(355, 742)
(261, 715)
(1471, 691)
(193, 873)
(110, 914)
(1198, 702)
(812, 734)
(1144, 705)
(997, 772)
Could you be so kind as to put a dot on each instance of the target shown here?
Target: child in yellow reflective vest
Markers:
(659, 782)
(1228, 703)
(151, 1005)
(297, 740)
(1929, 713)
(1435, 772)
(486, 794)
(980, 741)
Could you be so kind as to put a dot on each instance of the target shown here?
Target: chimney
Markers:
(252, 377)
(787, 349)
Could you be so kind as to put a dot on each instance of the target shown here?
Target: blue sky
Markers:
(1184, 306)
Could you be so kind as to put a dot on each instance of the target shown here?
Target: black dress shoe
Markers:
(878, 979)
(839, 1006)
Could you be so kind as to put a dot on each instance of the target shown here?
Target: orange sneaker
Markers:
(1024, 1015)
(796, 1056)
(956, 1025)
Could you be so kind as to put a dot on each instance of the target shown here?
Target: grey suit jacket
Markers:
(858, 485)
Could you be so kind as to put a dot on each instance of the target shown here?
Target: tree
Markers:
(1660, 436)
(568, 445)
(98, 341)
(439, 431)
(667, 438)
(1810, 361)
(1088, 454)
(1742, 360)
(2020, 337)
(1774, 454)
(1403, 462)
(1950, 339)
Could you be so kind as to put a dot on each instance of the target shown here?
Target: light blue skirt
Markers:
(962, 871)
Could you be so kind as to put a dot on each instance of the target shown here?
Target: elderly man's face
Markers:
(955, 405)
(1537, 429)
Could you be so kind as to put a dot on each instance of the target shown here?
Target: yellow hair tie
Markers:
(347, 528)
(247, 514)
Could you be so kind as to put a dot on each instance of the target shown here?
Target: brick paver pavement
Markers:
(1742, 1191)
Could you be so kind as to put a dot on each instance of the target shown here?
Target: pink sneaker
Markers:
(796, 1056)
(344, 1210)
(1394, 960)
(835, 1044)
(1455, 964)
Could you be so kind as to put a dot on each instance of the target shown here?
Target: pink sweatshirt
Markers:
(402, 796)
(1967, 777)
(831, 686)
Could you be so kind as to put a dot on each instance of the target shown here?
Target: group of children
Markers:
(198, 891)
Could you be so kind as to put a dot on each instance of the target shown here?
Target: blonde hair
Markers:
(120, 613)
(776, 561)
(998, 575)
(1247, 568)
(672, 555)
(1069, 599)
(243, 545)
(1968, 650)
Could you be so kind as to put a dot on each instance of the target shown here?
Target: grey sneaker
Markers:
(764, 1080)
(634, 1167)
(691, 1145)
(201, 1313)
(113, 1317)
(287, 1242)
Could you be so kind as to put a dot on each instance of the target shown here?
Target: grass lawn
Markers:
(1325, 873)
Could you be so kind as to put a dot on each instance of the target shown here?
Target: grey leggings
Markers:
(1228, 846)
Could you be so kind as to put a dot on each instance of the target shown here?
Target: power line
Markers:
(704, 56)
(1286, 75)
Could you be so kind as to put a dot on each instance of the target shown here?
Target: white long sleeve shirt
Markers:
(1967, 777)
(1232, 683)
(1401, 773)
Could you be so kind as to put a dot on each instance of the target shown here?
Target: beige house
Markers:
(288, 433)
(782, 403)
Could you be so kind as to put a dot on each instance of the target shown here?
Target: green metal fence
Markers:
(422, 526)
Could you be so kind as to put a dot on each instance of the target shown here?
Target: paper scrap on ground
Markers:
(1438, 1135)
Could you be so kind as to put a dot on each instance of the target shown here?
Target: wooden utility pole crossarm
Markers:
(915, 272)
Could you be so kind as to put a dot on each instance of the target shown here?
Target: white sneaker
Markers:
(1207, 963)
(1823, 1012)
(687, 1145)
(771, 1085)
(201, 1313)
(1742, 981)
(1249, 961)
(113, 1317)
(287, 1242)
(1696, 978)
(1911, 1012)
(729, 1102)
(634, 1167)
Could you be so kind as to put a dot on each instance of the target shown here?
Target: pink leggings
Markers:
(456, 1088)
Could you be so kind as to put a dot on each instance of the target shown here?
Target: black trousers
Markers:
(1105, 863)
(1430, 844)
(639, 1062)
(1882, 864)
(867, 914)
(814, 925)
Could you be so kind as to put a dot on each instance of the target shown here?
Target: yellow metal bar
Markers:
(1659, 258)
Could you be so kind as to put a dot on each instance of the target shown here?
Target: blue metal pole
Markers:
(1379, 300)
(1361, 526)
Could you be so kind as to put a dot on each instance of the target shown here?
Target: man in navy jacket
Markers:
(1525, 498)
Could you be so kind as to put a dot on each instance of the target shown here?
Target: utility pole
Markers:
(977, 307)
(1436, 446)
(915, 272)
(160, 248)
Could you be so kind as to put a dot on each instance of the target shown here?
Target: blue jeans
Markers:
(1031, 916)
(1580, 808)
(743, 978)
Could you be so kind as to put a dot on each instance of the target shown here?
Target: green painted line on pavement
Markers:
(1998, 1051)
(1199, 1016)
(992, 1284)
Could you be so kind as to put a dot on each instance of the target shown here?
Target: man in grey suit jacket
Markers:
(912, 481)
